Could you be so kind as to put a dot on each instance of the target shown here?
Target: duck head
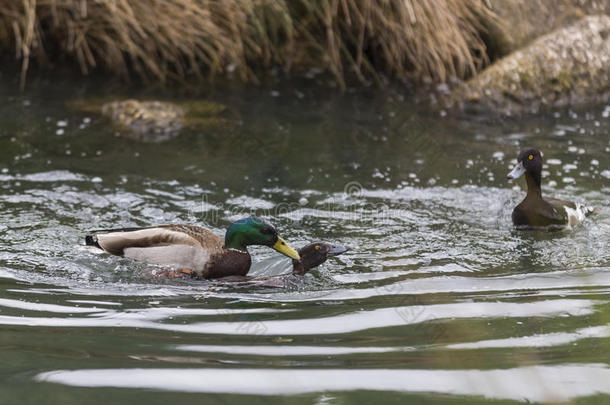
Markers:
(257, 231)
(314, 254)
(529, 161)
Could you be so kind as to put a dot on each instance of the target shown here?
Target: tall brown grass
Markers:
(168, 40)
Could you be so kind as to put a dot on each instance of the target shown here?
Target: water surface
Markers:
(439, 299)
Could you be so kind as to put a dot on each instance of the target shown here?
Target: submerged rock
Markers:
(158, 121)
(569, 66)
(148, 121)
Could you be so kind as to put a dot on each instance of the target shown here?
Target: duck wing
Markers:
(560, 203)
(183, 246)
(538, 213)
(575, 212)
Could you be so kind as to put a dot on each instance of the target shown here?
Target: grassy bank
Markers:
(181, 40)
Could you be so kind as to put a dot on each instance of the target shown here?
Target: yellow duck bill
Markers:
(285, 249)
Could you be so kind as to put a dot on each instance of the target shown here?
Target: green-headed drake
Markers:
(535, 211)
(193, 249)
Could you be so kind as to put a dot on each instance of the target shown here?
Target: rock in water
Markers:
(146, 121)
(569, 66)
(522, 21)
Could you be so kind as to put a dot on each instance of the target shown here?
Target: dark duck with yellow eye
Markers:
(312, 255)
(192, 249)
(535, 211)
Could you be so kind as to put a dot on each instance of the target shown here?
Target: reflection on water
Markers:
(541, 383)
(340, 324)
(437, 296)
(548, 339)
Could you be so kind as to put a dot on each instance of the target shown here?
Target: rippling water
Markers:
(439, 299)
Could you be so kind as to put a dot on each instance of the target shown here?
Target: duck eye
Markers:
(531, 157)
(267, 231)
(317, 247)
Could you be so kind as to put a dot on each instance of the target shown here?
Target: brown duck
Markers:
(535, 211)
(312, 255)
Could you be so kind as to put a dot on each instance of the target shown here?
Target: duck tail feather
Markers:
(91, 240)
(91, 236)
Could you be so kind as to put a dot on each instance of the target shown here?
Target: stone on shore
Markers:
(569, 66)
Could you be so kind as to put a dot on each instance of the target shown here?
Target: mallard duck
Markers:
(312, 255)
(192, 248)
(535, 211)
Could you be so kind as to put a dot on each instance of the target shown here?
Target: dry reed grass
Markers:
(180, 39)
